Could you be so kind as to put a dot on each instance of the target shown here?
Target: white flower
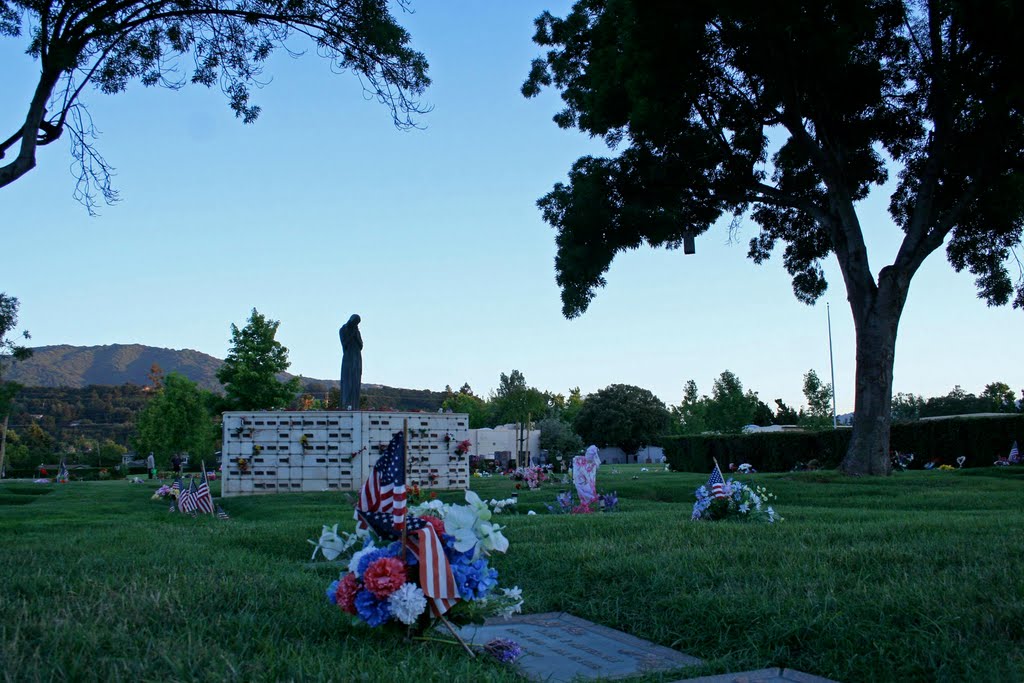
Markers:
(745, 508)
(431, 507)
(460, 522)
(353, 564)
(331, 544)
(407, 603)
(491, 538)
(478, 506)
(531, 512)
(515, 596)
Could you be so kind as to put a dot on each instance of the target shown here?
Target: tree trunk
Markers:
(876, 324)
(3, 444)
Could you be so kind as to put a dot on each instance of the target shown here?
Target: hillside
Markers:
(112, 365)
(77, 367)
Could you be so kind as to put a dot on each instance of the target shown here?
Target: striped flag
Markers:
(384, 490)
(203, 499)
(221, 514)
(716, 484)
(187, 498)
(436, 578)
(62, 473)
(1014, 454)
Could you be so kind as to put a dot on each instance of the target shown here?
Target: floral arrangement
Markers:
(463, 447)
(566, 505)
(933, 463)
(500, 506)
(946, 468)
(533, 476)
(243, 465)
(379, 586)
(164, 491)
(738, 500)
(901, 461)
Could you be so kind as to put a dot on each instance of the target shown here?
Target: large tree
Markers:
(10, 351)
(109, 43)
(622, 415)
(176, 421)
(790, 113)
(255, 359)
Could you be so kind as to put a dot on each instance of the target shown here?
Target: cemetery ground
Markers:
(915, 577)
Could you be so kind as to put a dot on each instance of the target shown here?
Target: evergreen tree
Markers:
(255, 360)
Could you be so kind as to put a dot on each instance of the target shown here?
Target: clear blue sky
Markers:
(322, 209)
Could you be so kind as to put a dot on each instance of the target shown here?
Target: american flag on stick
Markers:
(1014, 454)
(203, 499)
(187, 498)
(716, 484)
(384, 490)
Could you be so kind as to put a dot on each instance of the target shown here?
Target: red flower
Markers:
(519, 486)
(433, 494)
(438, 524)
(345, 595)
(384, 576)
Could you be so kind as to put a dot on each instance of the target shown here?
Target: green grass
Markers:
(917, 577)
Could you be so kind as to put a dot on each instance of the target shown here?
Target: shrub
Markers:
(981, 439)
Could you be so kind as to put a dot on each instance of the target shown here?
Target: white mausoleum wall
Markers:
(287, 451)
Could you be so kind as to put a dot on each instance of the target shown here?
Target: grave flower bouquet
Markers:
(533, 476)
(380, 586)
(736, 501)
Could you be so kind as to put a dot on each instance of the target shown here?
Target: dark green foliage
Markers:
(983, 440)
(560, 441)
(788, 113)
(215, 43)
(465, 401)
(515, 402)
(255, 359)
(767, 452)
(176, 420)
(622, 415)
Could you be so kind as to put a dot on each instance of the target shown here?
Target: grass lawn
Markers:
(917, 577)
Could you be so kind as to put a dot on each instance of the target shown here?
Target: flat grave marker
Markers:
(558, 648)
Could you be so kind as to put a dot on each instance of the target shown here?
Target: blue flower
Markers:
(474, 579)
(392, 550)
(331, 592)
(371, 610)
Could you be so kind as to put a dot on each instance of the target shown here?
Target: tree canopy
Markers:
(622, 415)
(254, 361)
(224, 43)
(789, 114)
(176, 421)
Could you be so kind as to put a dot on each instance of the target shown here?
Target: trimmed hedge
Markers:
(981, 439)
(767, 451)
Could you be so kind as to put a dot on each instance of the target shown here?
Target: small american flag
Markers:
(716, 484)
(62, 473)
(1014, 454)
(187, 498)
(221, 514)
(203, 499)
(384, 490)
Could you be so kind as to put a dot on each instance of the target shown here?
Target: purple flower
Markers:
(503, 650)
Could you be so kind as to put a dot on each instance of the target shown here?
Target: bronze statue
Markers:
(351, 363)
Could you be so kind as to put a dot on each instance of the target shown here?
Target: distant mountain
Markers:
(74, 367)
(114, 364)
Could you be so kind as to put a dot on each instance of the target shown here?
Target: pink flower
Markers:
(384, 576)
(346, 593)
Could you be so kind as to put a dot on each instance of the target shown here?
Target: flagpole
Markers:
(828, 313)
(405, 476)
(207, 481)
